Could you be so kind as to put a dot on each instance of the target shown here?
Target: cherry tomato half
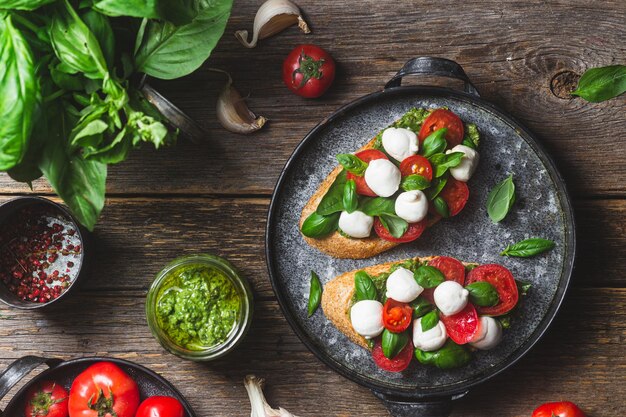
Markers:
(158, 406)
(397, 316)
(365, 156)
(414, 231)
(46, 399)
(417, 164)
(558, 409)
(463, 326)
(439, 119)
(451, 268)
(455, 194)
(308, 71)
(398, 364)
(504, 283)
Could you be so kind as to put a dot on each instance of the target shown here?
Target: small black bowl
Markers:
(8, 211)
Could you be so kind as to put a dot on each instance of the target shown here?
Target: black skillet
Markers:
(64, 372)
(542, 209)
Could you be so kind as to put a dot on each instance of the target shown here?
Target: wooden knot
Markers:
(563, 83)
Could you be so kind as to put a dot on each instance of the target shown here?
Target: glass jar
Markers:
(241, 322)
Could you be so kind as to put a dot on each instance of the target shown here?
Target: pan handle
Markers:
(429, 65)
(427, 407)
(19, 369)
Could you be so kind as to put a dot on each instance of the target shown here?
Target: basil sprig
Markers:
(436, 187)
(501, 199)
(394, 224)
(350, 199)
(428, 276)
(442, 162)
(315, 294)
(472, 136)
(483, 294)
(430, 320)
(528, 247)
(414, 182)
(352, 163)
(420, 307)
(365, 288)
(332, 202)
(435, 142)
(377, 206)
(317, 225)
(393, 343)
(449, 356)
(441, 206)
(600, 84)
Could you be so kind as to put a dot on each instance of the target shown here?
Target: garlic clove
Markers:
(260, 407)
(233, 112)
(272, 17)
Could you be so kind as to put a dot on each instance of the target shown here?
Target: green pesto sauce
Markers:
(197, 307)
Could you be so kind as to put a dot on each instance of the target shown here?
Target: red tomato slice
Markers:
(397, 364)
(503, 281)
(417, 164)
(455, 194)
(414, 231)
(558, 409)
(397, 316)
(439, 119)
(463, 326)
(451, 268)
(365, 156)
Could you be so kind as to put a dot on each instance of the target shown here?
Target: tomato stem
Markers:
(309, 68)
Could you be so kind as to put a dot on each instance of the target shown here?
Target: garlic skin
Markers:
(233, 113)
(260, 407)
(272, 17)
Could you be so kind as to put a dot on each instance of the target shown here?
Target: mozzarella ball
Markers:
(450, 297)
(464, 171)
(356, 224)
(412, 206)
(383, 177)
(400, 143)
(367, 318)
(429, 340)
(401, 286)
(489, 335)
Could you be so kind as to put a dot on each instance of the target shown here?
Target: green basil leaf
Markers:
(435, 142)
(350, 199)
(23, 4)
(352, 163)
(523, 287)
(472, 136)
(600, 84)
(394, 224)
(442, 162)
(441, 206)
(420, 307)
(332, 202)
(377, 206)
(436, 187)
(483, 294)
(317, 225)
(315, 294)
(414, 182)
(393, 343)
(364, 287)
(179, 12)
(450, 356)
(501, 199)
(430, 320)
(528, 247)
(99, 25)
(428, 276)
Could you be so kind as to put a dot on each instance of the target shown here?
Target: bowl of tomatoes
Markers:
(90, 387)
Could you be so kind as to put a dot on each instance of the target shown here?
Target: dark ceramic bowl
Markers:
(7, 212)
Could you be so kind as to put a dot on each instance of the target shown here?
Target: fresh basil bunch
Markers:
(68, 108)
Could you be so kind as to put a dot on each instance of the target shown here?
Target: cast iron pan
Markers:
(64, 372)
(542, 209)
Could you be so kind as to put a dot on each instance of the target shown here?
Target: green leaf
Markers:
(350, 199)
(430, 320)
(332, 202)
(449, 356)
(600, 84)
(501, 199)
(179, 12)
(352, 163)
(472, 136)
(414, 182)
(394, 224)
(364, 287)
(377, 206)
(99, 25)
(315, 294)
(19, 92)
(528, 247)
(436, 186)
(435, 142)
(393, 343)
(114, 152)
(167, 51)
(428, 276)
(441, 206)
(23, 4)
(90, 134)
(317, 225)
(483, 294)
(442, 162)
(420, 307)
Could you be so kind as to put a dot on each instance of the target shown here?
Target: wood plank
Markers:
(572, 361)
(512, 51)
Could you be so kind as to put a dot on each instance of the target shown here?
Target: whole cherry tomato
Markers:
(308, 71)
(158, 406)
(46, 399)
(558, 409)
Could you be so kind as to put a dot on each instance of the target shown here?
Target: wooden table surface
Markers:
(214, 197)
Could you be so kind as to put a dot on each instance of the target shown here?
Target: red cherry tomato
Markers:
(417, 164)
(455, 194)
(103, 389)
(46, 399)
(397, 316)
(504, 283)
(463, 326)
(558, 409)
(414, 231)
(451, 268)
(308, 71)
(365, 156)
(439, 119)
(397, 364)
(160, 407)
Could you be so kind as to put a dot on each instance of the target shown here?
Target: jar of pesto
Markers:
(199, 307)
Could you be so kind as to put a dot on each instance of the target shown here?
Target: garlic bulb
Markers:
(233, 113)
(272, 17)
(260, 407)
